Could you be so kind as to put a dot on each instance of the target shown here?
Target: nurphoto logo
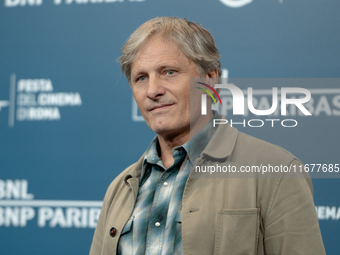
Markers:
(239, 100)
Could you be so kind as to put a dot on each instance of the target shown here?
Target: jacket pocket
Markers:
(236, 231)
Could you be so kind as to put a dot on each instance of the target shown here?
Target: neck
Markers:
(169, 141)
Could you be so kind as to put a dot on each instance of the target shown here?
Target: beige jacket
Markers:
(227, 215)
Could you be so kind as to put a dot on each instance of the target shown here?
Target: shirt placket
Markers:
(158, 216)
(159, 210)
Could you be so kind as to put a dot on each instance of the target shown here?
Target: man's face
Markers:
(160, 80)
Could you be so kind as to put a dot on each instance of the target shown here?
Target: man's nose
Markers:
(155, 87)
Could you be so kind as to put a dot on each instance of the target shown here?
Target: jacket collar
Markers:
(222, 143)
(134, 171)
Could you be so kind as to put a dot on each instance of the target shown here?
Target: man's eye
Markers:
(170, 72)
(140, 78)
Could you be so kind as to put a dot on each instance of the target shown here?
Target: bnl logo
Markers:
(239, 105)
(10, 103)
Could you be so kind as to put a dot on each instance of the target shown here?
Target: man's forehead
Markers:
(158, 53)
(158, 45)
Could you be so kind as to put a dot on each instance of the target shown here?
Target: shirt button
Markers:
(165, 184)
(157, 224)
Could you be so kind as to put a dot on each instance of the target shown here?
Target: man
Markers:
(159, 205)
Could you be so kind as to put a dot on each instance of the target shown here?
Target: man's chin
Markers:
(159, 124)
(162, 129)
(169, 131)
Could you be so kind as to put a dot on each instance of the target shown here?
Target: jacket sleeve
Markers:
(291, 224)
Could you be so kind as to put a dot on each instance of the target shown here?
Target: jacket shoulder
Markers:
(256, 150)
(119, 181)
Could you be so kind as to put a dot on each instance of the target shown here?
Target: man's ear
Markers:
(213, 76)
(213, 79)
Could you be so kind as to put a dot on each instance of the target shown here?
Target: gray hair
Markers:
(195, 42)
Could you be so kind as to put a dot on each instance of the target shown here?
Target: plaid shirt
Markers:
(155, 225)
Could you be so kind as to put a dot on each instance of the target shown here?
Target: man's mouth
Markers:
(160, 107)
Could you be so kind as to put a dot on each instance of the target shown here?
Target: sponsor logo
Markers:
(239, 3)
(235, 3)
(36, 100)
(18, 208)
(22, 3)
(328, 212)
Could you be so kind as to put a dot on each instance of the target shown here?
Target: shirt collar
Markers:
(220, 146)
(192, 148)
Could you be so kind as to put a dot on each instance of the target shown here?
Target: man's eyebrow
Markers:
(161, 67)
(166, 66)
(139, 72)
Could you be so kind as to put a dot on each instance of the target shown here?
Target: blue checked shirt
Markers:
(155, 225)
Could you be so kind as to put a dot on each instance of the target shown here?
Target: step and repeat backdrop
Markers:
(69, 124)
